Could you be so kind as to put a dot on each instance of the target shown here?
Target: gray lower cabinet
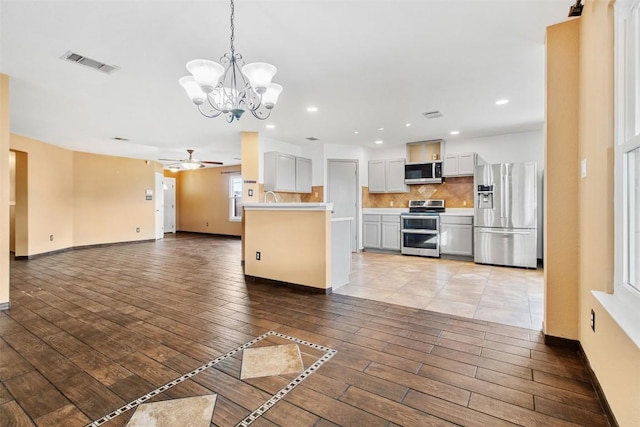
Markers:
(381, 232)
(456, 235)
(371, 232)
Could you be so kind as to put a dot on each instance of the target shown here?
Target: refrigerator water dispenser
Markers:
(485, 196)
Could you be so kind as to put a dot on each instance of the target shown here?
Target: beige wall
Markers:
(21, 220)
(613, 357)
(561, 219)
(49, 196)
(250, 166)
(4, 189)
(203, 201)
(12, 201)
(78, 198)
(108, 200)
(580, 125)
(294, 246)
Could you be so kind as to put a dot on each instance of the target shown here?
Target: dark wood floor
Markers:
(90, 330)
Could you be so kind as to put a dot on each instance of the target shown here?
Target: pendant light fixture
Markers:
(233, 87)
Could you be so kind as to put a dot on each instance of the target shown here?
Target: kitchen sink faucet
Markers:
(275, 197)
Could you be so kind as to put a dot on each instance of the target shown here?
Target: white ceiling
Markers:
(364, 64)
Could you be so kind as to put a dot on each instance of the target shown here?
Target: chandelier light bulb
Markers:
(259, 75)
(193, 89)
(270, 97)
(206, 73)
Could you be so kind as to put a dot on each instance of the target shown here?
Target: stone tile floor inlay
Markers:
(191, 411)
(226, 362)
(271, 360)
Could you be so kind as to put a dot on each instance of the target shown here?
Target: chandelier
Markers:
(233, 87)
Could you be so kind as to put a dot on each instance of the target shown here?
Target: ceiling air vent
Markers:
(312, 138)
(432, 114)
(88, 62)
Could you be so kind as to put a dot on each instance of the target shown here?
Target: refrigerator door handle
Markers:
(506, 190)
(502, 191)
(505, 232)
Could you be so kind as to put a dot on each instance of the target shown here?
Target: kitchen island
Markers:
(292, 243)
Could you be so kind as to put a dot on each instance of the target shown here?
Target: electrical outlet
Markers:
(137, 229)
(207, 224)
(592, 320)
(250, 192)
(51, 237)
(258, 256)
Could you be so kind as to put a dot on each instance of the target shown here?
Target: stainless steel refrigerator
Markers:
(505, 227)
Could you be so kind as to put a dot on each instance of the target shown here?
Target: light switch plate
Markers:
(583, 168)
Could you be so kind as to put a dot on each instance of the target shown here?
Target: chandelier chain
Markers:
(233, 49)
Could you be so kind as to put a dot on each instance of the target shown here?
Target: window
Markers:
(623, 305)
(627, 150)
(235, 198)
(632, 265)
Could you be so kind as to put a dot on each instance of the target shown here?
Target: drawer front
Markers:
(391, 218)
(462, 220)
(371, 218)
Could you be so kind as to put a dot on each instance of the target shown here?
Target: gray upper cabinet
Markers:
(286, 173)
(387, 176)
(303, 175)
(377, 180)
(460, 164)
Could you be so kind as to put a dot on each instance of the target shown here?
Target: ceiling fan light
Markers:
(270, 97)
(206, 73)
(191, 164)
(194, 92)
(174, 168)
(259, 75)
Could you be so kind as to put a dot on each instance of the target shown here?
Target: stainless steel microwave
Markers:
(423, 173)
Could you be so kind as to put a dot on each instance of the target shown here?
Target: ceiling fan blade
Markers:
(211, 163)
(169, 160)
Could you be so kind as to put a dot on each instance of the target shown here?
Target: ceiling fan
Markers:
(189, 163)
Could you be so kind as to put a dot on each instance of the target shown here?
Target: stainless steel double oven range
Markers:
(421, 228)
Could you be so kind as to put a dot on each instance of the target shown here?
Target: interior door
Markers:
(159, 197)
(342, 191)
(169, 205)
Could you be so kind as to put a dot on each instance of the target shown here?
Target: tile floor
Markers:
(511, 296)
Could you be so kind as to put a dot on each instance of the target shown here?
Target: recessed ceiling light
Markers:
(356, 132)
(502, 101)
(270, 126)
(312, 109)
(379, 141)
(454, 132)
(407, 125)
(380, 128)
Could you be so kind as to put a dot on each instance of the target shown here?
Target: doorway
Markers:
(159, 206)
(342, 191)
(169, 205)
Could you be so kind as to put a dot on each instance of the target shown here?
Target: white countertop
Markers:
(458, 211)
(315, 206)
(342, 219)
(397, 211)
(381, 211)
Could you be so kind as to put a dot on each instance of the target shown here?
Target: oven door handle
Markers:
(413, 231)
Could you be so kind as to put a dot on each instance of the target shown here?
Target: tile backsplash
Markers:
(316, 195)
(456, 192)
